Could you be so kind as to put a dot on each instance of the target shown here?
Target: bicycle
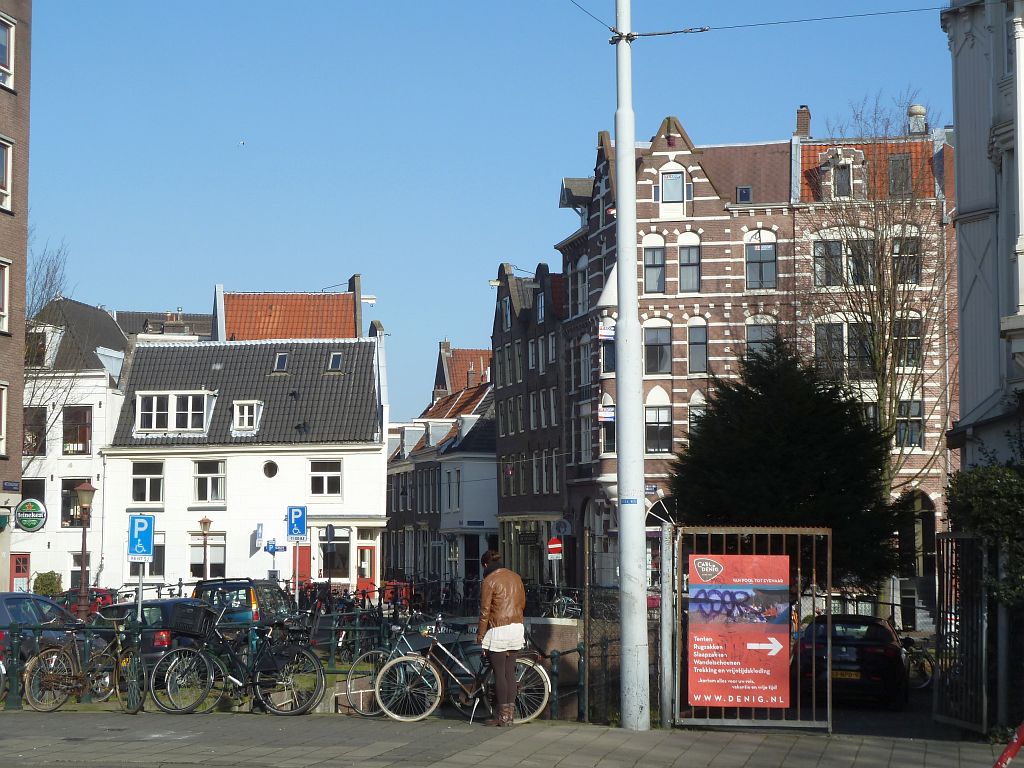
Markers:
(410, 687)
(920, 662)
(284, 678)
(54, 674)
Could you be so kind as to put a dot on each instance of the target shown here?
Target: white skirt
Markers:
(511, 637)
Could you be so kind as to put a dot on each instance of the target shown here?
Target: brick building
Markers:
(15, 48)
(526, 341)
(732, 247)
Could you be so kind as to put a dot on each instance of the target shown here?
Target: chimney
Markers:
(917, 119)
(472, 377)
(803, 122)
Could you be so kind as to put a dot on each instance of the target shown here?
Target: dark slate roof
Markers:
(308, 404)
(189, 323)
(85, 328)
(765, 168)
(481, 437)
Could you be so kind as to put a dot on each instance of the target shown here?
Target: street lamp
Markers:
(204, 526)
(85, 493)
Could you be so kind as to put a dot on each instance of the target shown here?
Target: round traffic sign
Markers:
(554, 546)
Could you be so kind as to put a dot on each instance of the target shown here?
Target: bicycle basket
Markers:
(191, 619)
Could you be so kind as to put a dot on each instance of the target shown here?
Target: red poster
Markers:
(739, 625)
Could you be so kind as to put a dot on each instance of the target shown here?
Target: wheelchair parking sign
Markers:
(296, 522)
(140, 538)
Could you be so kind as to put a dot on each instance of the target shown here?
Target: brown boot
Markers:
(508, 712)
(497, 719)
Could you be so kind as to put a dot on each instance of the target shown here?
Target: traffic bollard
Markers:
(14, 670)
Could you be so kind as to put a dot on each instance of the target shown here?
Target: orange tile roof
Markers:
(252, 316)
(460, 363)
(463, 401)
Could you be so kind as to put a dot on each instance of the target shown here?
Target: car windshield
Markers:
(231, 598)
(853, 630)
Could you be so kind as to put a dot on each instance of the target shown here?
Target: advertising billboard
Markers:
(740, 615)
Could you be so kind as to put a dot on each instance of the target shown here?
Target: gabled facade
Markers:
(15, 86)
(728, 253)
(236, 432)
(459, 369)
(72, 402)
(529, 354)
(440, 469)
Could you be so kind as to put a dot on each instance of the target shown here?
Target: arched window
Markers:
(760, 331)
(607, 418)
(654, 264)
(759, 250)
(689, 263)
(695, 412)
(657, 347)
(658, 422)
(697, 346)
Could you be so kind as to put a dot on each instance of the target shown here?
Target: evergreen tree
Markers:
(786, 446)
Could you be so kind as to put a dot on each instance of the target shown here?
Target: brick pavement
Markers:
(105, 739)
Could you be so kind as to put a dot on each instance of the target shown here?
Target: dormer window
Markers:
(247, 415)
(334, 362)
(672, 188)
(744, 194)
(154, 412)
(281, 362)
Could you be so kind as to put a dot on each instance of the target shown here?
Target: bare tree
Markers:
(878, 277)
(47, 391)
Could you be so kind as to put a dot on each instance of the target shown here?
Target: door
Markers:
(20, 572)
(365, 571)
(304, 562)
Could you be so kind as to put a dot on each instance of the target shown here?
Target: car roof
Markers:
(156, 601)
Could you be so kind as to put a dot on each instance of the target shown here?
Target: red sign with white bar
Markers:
(739, 631)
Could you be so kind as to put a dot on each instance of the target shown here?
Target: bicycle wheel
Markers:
(180, 681)
(100, 673)
(220, 689)
(361, 681)
(534, 690)
(49, 680)
(296, 687)
(408, 688)
(130, 682)
(922, 668)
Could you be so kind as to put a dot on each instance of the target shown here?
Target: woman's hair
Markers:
(489, 557)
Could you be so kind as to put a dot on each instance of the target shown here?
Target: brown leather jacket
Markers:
(502, 600)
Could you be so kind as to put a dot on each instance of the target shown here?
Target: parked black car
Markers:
(868, 659)
(158, 636)
(245, 600)
(33, 610)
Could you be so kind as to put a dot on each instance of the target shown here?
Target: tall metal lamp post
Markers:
(85, 493)
(204, 526)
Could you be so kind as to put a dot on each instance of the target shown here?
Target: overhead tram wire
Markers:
(753, 25)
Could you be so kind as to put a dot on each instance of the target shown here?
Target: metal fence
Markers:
(809, 553)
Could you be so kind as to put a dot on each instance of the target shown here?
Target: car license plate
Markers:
(841, 674)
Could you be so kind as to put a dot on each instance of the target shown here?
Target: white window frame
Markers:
(215, 492)
(153, 411)
(246, 415)
(4, 421)
(7, 67)
(533, 410)
(536, 472)
(323, 475)
(194, 406)
(6, 171)
(334, 361)
(506, 313)
(551, 347)
(531, 354)
(541, 365)
(154, 484)
(5, 295)
(280, 362)
(540, 307)
(554, 410)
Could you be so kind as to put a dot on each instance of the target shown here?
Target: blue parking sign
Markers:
(296, 522)
(140, 538)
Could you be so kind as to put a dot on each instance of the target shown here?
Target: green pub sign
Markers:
(30, 515)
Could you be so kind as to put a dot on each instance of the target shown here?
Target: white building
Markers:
(235, 433)
(71, 408)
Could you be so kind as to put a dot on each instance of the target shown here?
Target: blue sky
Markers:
(285, 146)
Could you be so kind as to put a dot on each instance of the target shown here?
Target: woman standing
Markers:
(500, 630)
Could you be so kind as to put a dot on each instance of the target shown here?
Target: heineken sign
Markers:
(30, 515)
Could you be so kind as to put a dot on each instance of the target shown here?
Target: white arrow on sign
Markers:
(773, 646)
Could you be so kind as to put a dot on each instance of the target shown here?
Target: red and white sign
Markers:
(554, 548)
(739, 631)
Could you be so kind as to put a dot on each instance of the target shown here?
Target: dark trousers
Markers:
(504, 664)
